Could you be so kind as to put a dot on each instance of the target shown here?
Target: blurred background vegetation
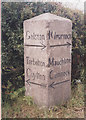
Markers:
(13, 16)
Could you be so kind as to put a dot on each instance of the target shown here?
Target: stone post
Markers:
(47, 59)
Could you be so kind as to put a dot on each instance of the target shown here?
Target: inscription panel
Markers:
(59, 62)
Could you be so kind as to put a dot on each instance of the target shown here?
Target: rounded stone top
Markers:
(48, 17)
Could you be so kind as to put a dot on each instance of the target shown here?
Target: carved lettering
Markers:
(53, 62)
(33, 76)
(54, 35)
(34, 36)
(54, 75)
(34, 62)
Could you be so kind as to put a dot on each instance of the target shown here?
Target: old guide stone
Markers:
(47, 59)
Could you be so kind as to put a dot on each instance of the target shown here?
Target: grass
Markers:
(24, 107)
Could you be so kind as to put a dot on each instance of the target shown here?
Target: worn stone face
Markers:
(47, 59)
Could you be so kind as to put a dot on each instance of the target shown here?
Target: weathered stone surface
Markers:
(47, 59)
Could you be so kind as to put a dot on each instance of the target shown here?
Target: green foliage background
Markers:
(13, 15)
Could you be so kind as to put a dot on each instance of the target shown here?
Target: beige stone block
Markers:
(47, 59)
